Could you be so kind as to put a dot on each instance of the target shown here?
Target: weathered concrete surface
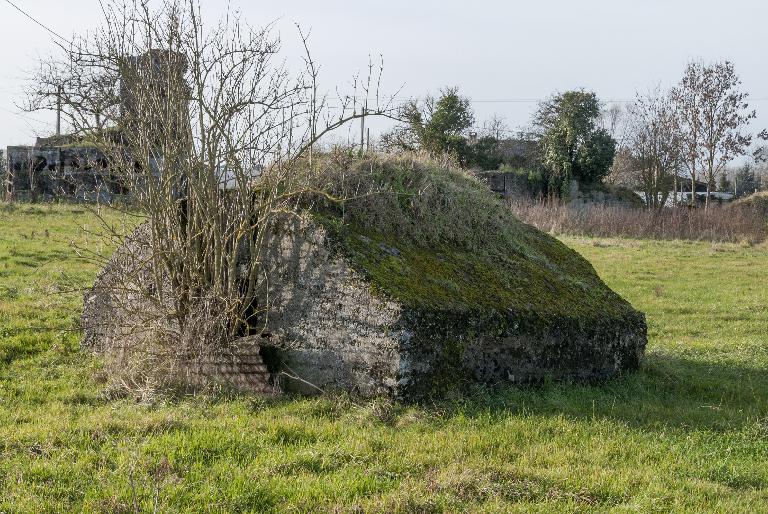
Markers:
(334, 333)
(461, 348)
(329, 329)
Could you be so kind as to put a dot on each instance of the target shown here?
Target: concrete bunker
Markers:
(379, 312)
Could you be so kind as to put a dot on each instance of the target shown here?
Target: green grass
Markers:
(687, 433)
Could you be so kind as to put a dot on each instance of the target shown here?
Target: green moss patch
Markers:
(464, 252)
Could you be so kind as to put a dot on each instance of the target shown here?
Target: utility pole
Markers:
(5, 172)
(59, 93)
(362, 126)
(362, 131)
(674, 189)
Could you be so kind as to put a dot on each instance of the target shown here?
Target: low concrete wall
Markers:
(47, 172)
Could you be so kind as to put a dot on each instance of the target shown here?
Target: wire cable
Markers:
(41, 24)
(21, 115)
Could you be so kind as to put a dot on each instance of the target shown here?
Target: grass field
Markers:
(687, 433)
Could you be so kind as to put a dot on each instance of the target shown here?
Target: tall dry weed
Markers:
(717, 224)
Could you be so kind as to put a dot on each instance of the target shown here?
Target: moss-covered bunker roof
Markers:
(501, 264)
(556, 282)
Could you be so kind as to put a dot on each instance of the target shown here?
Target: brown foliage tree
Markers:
(713, 114)
(213, 136)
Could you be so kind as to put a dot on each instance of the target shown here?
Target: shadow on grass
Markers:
(668, 391)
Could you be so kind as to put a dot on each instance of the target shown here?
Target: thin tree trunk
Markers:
(693, 191)
(706, 201)
(674, 187)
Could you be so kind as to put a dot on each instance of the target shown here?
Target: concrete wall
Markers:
(331, 332)
(507, 185)
(46, 172)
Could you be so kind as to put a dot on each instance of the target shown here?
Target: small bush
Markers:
(417, 199)
(755, 204)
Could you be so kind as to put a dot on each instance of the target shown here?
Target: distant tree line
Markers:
(690, 133)
(567, 139)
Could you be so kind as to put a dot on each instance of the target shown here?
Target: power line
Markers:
(20, 115)
(610, 101)
(331, 100)
(495, 101)
(41, 24)
(397, 101)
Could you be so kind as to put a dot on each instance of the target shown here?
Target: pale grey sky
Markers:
(502, 54)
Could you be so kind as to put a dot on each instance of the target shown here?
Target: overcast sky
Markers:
(502, 54)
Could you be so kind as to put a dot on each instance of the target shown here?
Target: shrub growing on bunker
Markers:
(209, 132)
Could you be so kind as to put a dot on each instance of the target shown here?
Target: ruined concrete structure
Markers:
(427, 284)
(65, 166)
(507, 184)
(516, 186)
(333, 326)
(46, 172)
(154, 94)
(333, 331)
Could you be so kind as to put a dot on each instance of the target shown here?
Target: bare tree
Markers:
(713, 114)
(215, 141)
(653, 138)
(84, 94)
(760, 154)
(613, 120)
(687, 98)
(496, 127)
(623, 170)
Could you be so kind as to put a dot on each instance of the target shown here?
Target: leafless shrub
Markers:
(216, 141)
(714, 224)
(653, 145)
